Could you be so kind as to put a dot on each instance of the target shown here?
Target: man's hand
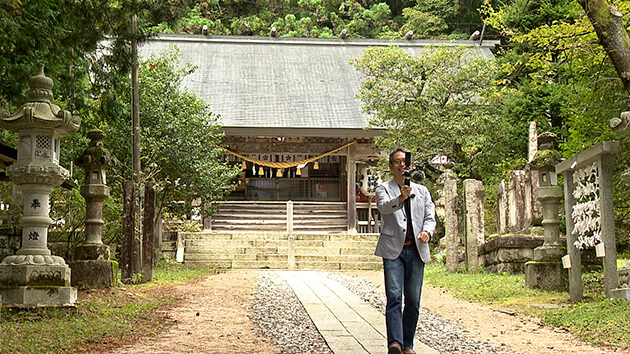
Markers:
(405, 191)
(424, 236)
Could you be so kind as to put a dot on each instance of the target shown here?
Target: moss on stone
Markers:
(545, 158)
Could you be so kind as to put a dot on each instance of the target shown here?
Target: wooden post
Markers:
(351, 168)
(148, 232)
(291, 238)
(126, 257)
(207, 220)
(158, 239)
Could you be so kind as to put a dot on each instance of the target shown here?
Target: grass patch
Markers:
(596, 319)
(504, 291)
(103, 318)
(603, 322)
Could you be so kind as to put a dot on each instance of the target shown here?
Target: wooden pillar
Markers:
(207, 220)
(158, 239)
(126, 258)
(148, 232)
(351, 168)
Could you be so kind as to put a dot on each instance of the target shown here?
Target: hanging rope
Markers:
(287, 164)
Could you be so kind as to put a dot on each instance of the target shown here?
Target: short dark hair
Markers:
(391, 154)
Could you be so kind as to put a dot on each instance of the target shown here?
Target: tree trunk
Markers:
(608, 24)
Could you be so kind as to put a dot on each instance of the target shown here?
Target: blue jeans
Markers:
(403, 275)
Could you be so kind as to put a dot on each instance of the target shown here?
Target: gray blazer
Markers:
(392, 238)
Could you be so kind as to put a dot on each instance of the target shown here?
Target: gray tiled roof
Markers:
(280, 83)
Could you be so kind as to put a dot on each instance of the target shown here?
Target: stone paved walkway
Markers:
(347, 323)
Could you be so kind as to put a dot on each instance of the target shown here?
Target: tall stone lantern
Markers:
(92, 267)
(33, 276)
(546, 271)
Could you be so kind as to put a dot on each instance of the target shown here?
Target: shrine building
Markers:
(290, 113)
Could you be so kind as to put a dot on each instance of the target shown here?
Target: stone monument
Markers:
(546, 271)
(33, 277)
(92, 266)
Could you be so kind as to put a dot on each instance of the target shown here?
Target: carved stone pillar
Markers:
(546, 271)
(34, 277)
(92, 267)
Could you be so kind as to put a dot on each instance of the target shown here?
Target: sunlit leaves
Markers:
(432, 104)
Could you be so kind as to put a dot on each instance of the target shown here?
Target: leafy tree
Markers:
(326, 18)
(179, 138)
(434, 104)
(60, 34)
(557, 74)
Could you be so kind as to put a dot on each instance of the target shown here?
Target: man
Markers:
(408, 222)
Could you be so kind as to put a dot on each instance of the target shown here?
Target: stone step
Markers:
(282, 210)
(270, 250)
(221, 244)
(339, 265)
(260, 264)
(249, 236)
(256, 220)
(236, 257)
(337, 258)
(272, 216)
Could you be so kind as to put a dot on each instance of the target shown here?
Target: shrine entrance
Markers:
(324, 181)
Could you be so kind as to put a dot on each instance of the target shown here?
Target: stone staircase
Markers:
(222, 250)
(308, 217)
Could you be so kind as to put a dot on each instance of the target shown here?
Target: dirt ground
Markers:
(519, 333)
(212, 318)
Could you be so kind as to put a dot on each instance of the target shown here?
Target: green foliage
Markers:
(555, 73)
(179, 139)
(435, 104)
(56, 34)
(422, 24)
(326, 18)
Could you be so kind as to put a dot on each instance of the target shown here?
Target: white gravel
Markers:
(280, 316)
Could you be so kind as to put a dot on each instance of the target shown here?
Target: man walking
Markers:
(408, 222)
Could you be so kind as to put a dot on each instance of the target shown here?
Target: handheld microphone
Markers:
(407, 173)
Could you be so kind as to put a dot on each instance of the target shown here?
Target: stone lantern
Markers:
(92, 267)
(34, 277)
(546, 271)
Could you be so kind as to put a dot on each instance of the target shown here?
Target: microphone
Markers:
(407, 173)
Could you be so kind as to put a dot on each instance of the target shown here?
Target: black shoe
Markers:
(395, 349)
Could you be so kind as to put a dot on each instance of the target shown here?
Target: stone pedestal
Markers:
(37, 281)
(92, 267)
(546, 276)
(623, 290)
(94, 274)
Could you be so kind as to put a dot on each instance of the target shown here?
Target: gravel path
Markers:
(281, 317)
